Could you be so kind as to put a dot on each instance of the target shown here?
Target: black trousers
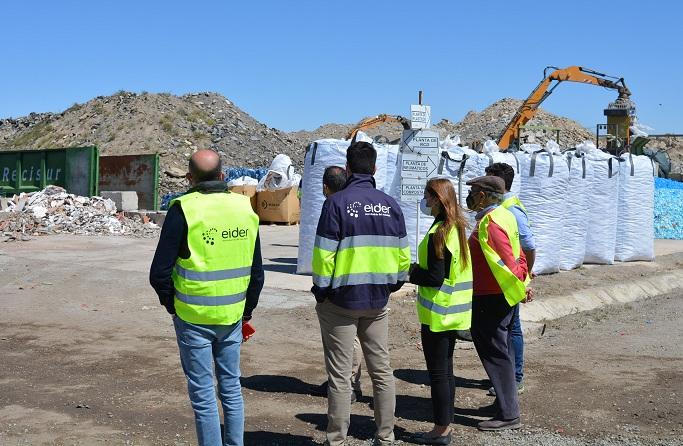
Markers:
(491, 321)
(438, 350)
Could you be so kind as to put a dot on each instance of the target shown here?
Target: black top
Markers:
(173, 244)
(437, 269)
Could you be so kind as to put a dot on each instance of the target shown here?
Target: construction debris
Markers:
(54, 211)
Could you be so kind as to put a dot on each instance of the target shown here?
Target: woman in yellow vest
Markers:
(444, 301)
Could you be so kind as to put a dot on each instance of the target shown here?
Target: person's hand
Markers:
(413, 267)
(530, 294)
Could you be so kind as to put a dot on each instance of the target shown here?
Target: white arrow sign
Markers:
(414, 165)
(424, 142)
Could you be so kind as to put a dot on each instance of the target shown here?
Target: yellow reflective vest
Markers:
(448, 307)
(513, 288)
(211, 285)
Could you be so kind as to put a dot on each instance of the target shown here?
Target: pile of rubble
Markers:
(490, 122)
(172, 126)
(54, 211)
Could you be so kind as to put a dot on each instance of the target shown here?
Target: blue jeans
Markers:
(517, 344)
(201, 348)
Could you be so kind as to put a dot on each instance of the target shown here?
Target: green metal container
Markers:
(75, 169)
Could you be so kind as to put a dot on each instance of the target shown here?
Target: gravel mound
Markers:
(173, 126)
(490, 122)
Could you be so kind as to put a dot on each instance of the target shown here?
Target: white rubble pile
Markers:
(54, 211)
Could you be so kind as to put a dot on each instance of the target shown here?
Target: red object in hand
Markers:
(248, 331)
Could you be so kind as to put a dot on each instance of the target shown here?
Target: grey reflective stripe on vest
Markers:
(210, 301)
(380, 241)
(369, 279)
(436, 308)
(462, 286)
(322, 281)
(326, 243)
(208, 276)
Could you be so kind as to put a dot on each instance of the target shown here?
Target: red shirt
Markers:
(483, 281)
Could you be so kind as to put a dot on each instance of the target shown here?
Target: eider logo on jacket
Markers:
(352, 209)
(377, 210)
(208, 235)
(227, 235)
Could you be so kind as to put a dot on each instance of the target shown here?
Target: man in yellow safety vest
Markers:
(208, 273)
(499, 274)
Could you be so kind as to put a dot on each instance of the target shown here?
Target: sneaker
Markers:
(499, 425)
(379, 442)
(520, 389)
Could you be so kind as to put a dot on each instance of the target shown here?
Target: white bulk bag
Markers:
(575, 215)
(392, 167)
(320, 155)
(602, 205)
(460, 165)
(544, 183)
(382, 180)
(492, 154)
(635, 227)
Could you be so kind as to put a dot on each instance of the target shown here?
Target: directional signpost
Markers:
(419, 160)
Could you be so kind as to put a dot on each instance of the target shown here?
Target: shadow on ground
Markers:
(285, 265)
(421, 377)
(262, 438)
(280, 384)
(362, 426)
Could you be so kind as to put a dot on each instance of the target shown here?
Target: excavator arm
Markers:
(570, 74)
(375, 121)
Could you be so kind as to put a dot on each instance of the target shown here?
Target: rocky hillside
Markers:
(490, 122)
(175, 126)
(474, 127)
(129, 123)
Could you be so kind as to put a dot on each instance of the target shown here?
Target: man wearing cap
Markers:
(499, 274)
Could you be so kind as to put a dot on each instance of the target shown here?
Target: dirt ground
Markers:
(88, 357)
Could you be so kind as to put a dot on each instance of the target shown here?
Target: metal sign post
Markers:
(418, 157)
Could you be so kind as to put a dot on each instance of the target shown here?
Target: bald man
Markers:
(208, 273)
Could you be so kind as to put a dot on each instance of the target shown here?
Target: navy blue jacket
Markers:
(344, 215)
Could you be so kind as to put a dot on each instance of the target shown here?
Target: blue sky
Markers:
(296, 65)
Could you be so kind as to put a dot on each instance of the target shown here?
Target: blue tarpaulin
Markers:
(231, 173)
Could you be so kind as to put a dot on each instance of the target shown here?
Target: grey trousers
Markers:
(491, 321)
(339, 327)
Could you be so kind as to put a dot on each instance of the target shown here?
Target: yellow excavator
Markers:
(619, 113)
(374, 121)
